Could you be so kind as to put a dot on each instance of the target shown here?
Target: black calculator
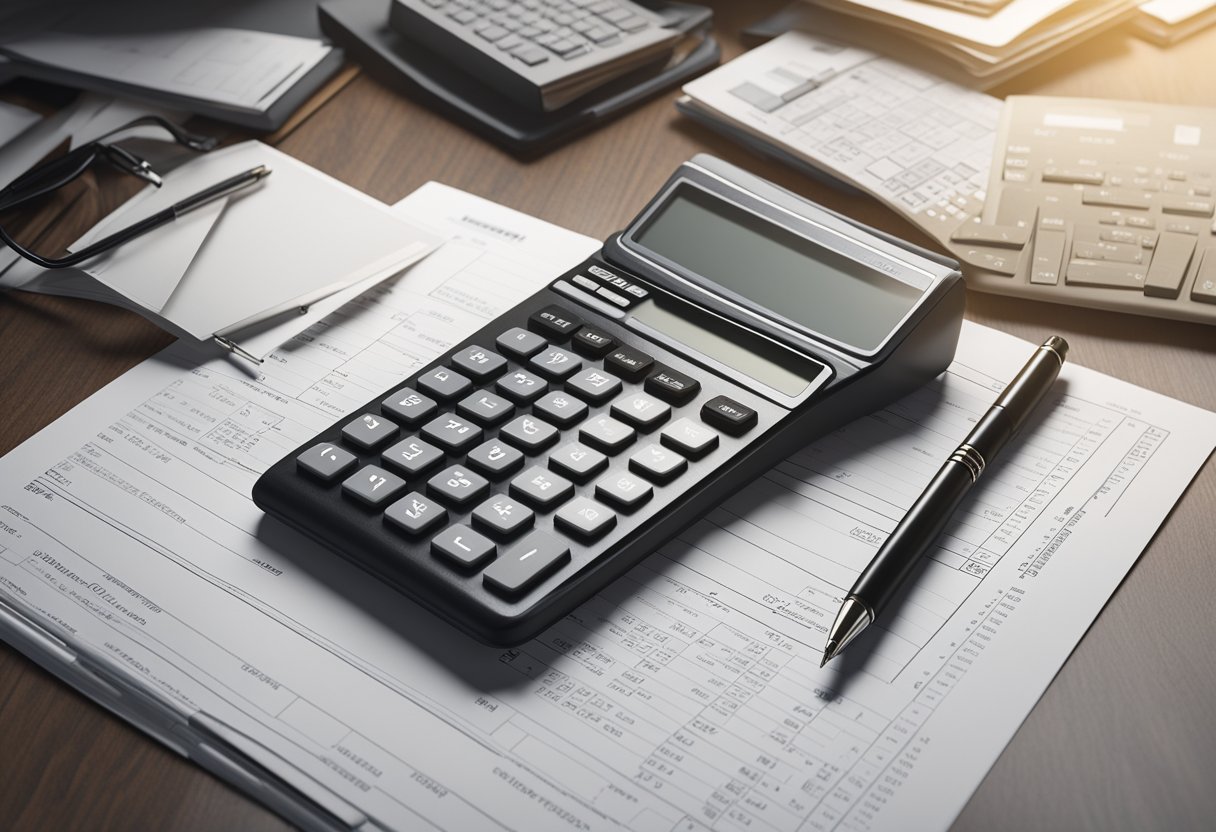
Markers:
(729, 325)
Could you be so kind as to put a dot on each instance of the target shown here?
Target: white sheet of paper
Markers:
(1000, 28)
(1173, 12)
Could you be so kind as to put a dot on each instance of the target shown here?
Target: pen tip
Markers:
(829, 652)
(261, 171)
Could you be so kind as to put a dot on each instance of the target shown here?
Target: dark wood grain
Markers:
(1125, 737)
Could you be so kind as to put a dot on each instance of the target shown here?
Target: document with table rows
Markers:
(685, 696)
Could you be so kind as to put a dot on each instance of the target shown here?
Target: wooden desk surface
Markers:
(1124, 738)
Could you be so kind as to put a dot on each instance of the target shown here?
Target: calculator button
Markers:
(372, 485)
(585, 518)
(556, 363)
(452, 434)
(578, 462)
(463, 545)
(612, 297)
(628, 363)
(657, 464)
(555, 322)
(410, 406)
(529, 433)
(457, 485)
(521, 344)
(443, 383)
(414, 514)
(503, 516)
(412, 456)
(368, 431)
(640, 410)
(495, 459)
(689, 438)
(562, 409)
(606, 433)
(326, 461)
(727, 414)
(541, 488)
(479, 363)
(668, 384)
(485, 408)
(592, 342)
(521, 387)
(597, 386)
(624, 491)
(535, 556)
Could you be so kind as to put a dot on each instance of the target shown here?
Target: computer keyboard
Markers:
(1100, 204)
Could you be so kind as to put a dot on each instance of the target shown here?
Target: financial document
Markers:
(685, 696)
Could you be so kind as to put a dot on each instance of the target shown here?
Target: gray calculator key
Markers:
(495, 459)
(657, 463)
(369, 430)
(520, 343)
(585, 518)
(412, 456)
(443, 383)
(529, 433)
(452, 433)
(414, 514)
(457, 485)
(623, 491)
(463, 545)
(606, 433)
(521, 386)
(640, 410)
(562, 409)
(479, 363)
(689, 438)
(484, 407)
(409, 406)
(326, 461)
(503, 516)
(541, 488)
(578, 462)
(596, 386)
(556, 363)
(525, 563)
(372, 485)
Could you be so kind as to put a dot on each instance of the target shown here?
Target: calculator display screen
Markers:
(778, 270)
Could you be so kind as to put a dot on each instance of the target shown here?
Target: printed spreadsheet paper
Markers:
(687, 695)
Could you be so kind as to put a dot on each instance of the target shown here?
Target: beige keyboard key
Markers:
(1006, 236)
(1048, 254)
(1169, 265)
(1074, 176)
(1107, 275)
(1204, 289)
(1117, 198)
(1189, 205)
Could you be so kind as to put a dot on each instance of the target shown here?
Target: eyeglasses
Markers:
(57, 173)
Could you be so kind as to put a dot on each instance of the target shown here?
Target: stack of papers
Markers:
(1169, 21)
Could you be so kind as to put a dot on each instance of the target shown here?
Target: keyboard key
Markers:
(591, 342)
(1187, 205)
(672, 386)
(495, 459)
(479, 363)
(585, 518)
(689, 438)
(457, 485)
(541, 488)
(632, 23)
(326, 462)
(726, 413)
(578, 462)
(596, 386)
(463, 545)
(452, 434)
(520, 344)
(607, 434)
(529, 433)
(412, 456)
(556, 363)
(562, 409)
(613, 297)
(373, 485)
(521, 386)
(502, 516)
(555, 322)
(1110, 275)
(624, 491)
(642, 411)
(443, 383)
(485, 408)
(1204, 290)
(369, 431)
(526, 563)
(628, 363)
(1047, 257)
(1169, 266)
(657, 464)
(414, 514)
(409, 406)
(530, 55)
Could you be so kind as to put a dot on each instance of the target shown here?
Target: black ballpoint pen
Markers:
(884, 575)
